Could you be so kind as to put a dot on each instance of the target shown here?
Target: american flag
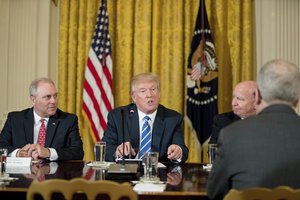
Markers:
(98, 90)
(202, 94)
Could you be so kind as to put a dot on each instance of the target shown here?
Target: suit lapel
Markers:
(51, 129)
(158, 129)
(28, 126)
(133, 127)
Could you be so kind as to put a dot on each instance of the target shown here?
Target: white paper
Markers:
(18, 165)
(24, 161)
(149, 187)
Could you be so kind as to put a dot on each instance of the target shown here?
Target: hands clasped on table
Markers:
(35, 151)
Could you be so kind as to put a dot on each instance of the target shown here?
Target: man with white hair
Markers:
(262, 150)
(243, 105)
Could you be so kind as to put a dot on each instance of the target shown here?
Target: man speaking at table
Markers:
(43, 131)
(147, 125)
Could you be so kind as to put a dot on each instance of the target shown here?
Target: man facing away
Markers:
(43, 131)
(164, 130)
(243, 105)
(262, 150)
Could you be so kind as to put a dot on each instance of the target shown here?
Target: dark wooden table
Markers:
(186, 181)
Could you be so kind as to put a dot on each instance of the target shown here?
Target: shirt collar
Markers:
(37, 118)
(142, 115)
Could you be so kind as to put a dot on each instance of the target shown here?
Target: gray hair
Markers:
(35, 83)
(279, 80)
(141, 78)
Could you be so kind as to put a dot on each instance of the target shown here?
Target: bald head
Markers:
(243, 99)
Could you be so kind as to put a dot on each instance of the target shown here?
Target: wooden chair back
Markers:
(91, 189)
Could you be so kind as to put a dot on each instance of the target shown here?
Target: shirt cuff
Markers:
(14, 153)
(53, 154)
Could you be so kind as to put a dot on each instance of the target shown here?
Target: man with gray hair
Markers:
(262, 150)
(42, 132)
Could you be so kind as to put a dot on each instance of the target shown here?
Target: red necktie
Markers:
(42, 133)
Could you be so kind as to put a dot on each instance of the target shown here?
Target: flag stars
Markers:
(203, 102)
(199, 31)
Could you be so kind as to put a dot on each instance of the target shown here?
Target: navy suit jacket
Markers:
(220, 121)
(259, 151)
(62, 133)
(167, 130)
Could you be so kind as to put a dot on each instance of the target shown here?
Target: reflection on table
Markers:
(186, 181)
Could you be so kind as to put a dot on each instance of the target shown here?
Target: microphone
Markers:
(123, 135)
(123, 167)
(131, 112)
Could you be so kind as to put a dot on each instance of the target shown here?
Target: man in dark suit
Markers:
(166, 125)
(243, 105)
(23, 131)
(262, 150)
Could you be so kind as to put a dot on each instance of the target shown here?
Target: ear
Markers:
(32, 98)
(258, 97)
(133, 97)
(296, 102)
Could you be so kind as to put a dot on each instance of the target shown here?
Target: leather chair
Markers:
(91, 189)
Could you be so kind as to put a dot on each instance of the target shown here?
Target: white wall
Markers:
(28, 49)
(277, 31)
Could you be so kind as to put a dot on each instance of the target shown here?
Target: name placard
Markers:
(18, 165)
(24, 161)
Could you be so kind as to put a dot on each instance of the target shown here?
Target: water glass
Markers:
(150, 162)
(99, 150)
(212, 150)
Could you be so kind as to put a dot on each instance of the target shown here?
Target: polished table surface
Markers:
(184, 181)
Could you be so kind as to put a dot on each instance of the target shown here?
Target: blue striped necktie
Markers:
(146, 137)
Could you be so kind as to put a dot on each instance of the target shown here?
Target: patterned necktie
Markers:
(42, 133)
(146, 137)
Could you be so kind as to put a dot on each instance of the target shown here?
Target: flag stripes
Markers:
(98, 84)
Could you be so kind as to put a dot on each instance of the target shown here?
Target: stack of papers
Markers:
(104, 165)
(149, 187)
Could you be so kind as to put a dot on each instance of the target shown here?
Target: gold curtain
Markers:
(152, 36)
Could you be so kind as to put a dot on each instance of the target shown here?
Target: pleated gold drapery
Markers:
(152, 36)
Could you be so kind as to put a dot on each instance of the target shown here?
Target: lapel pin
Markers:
(53, 124)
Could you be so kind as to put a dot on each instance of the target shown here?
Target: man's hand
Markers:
(127, 150)
(35, 151)
(174, 152)
(24, 151)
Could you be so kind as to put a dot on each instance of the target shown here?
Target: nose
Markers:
(149, 93)
(53, 99)
(233, 102)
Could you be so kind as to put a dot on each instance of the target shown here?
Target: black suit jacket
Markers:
(167, 130)
(259, 151)
(62, 133)
(220, 121)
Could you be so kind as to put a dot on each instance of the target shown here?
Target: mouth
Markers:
(150, 101)
(52, 108)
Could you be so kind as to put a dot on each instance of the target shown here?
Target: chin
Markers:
(51, 113)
